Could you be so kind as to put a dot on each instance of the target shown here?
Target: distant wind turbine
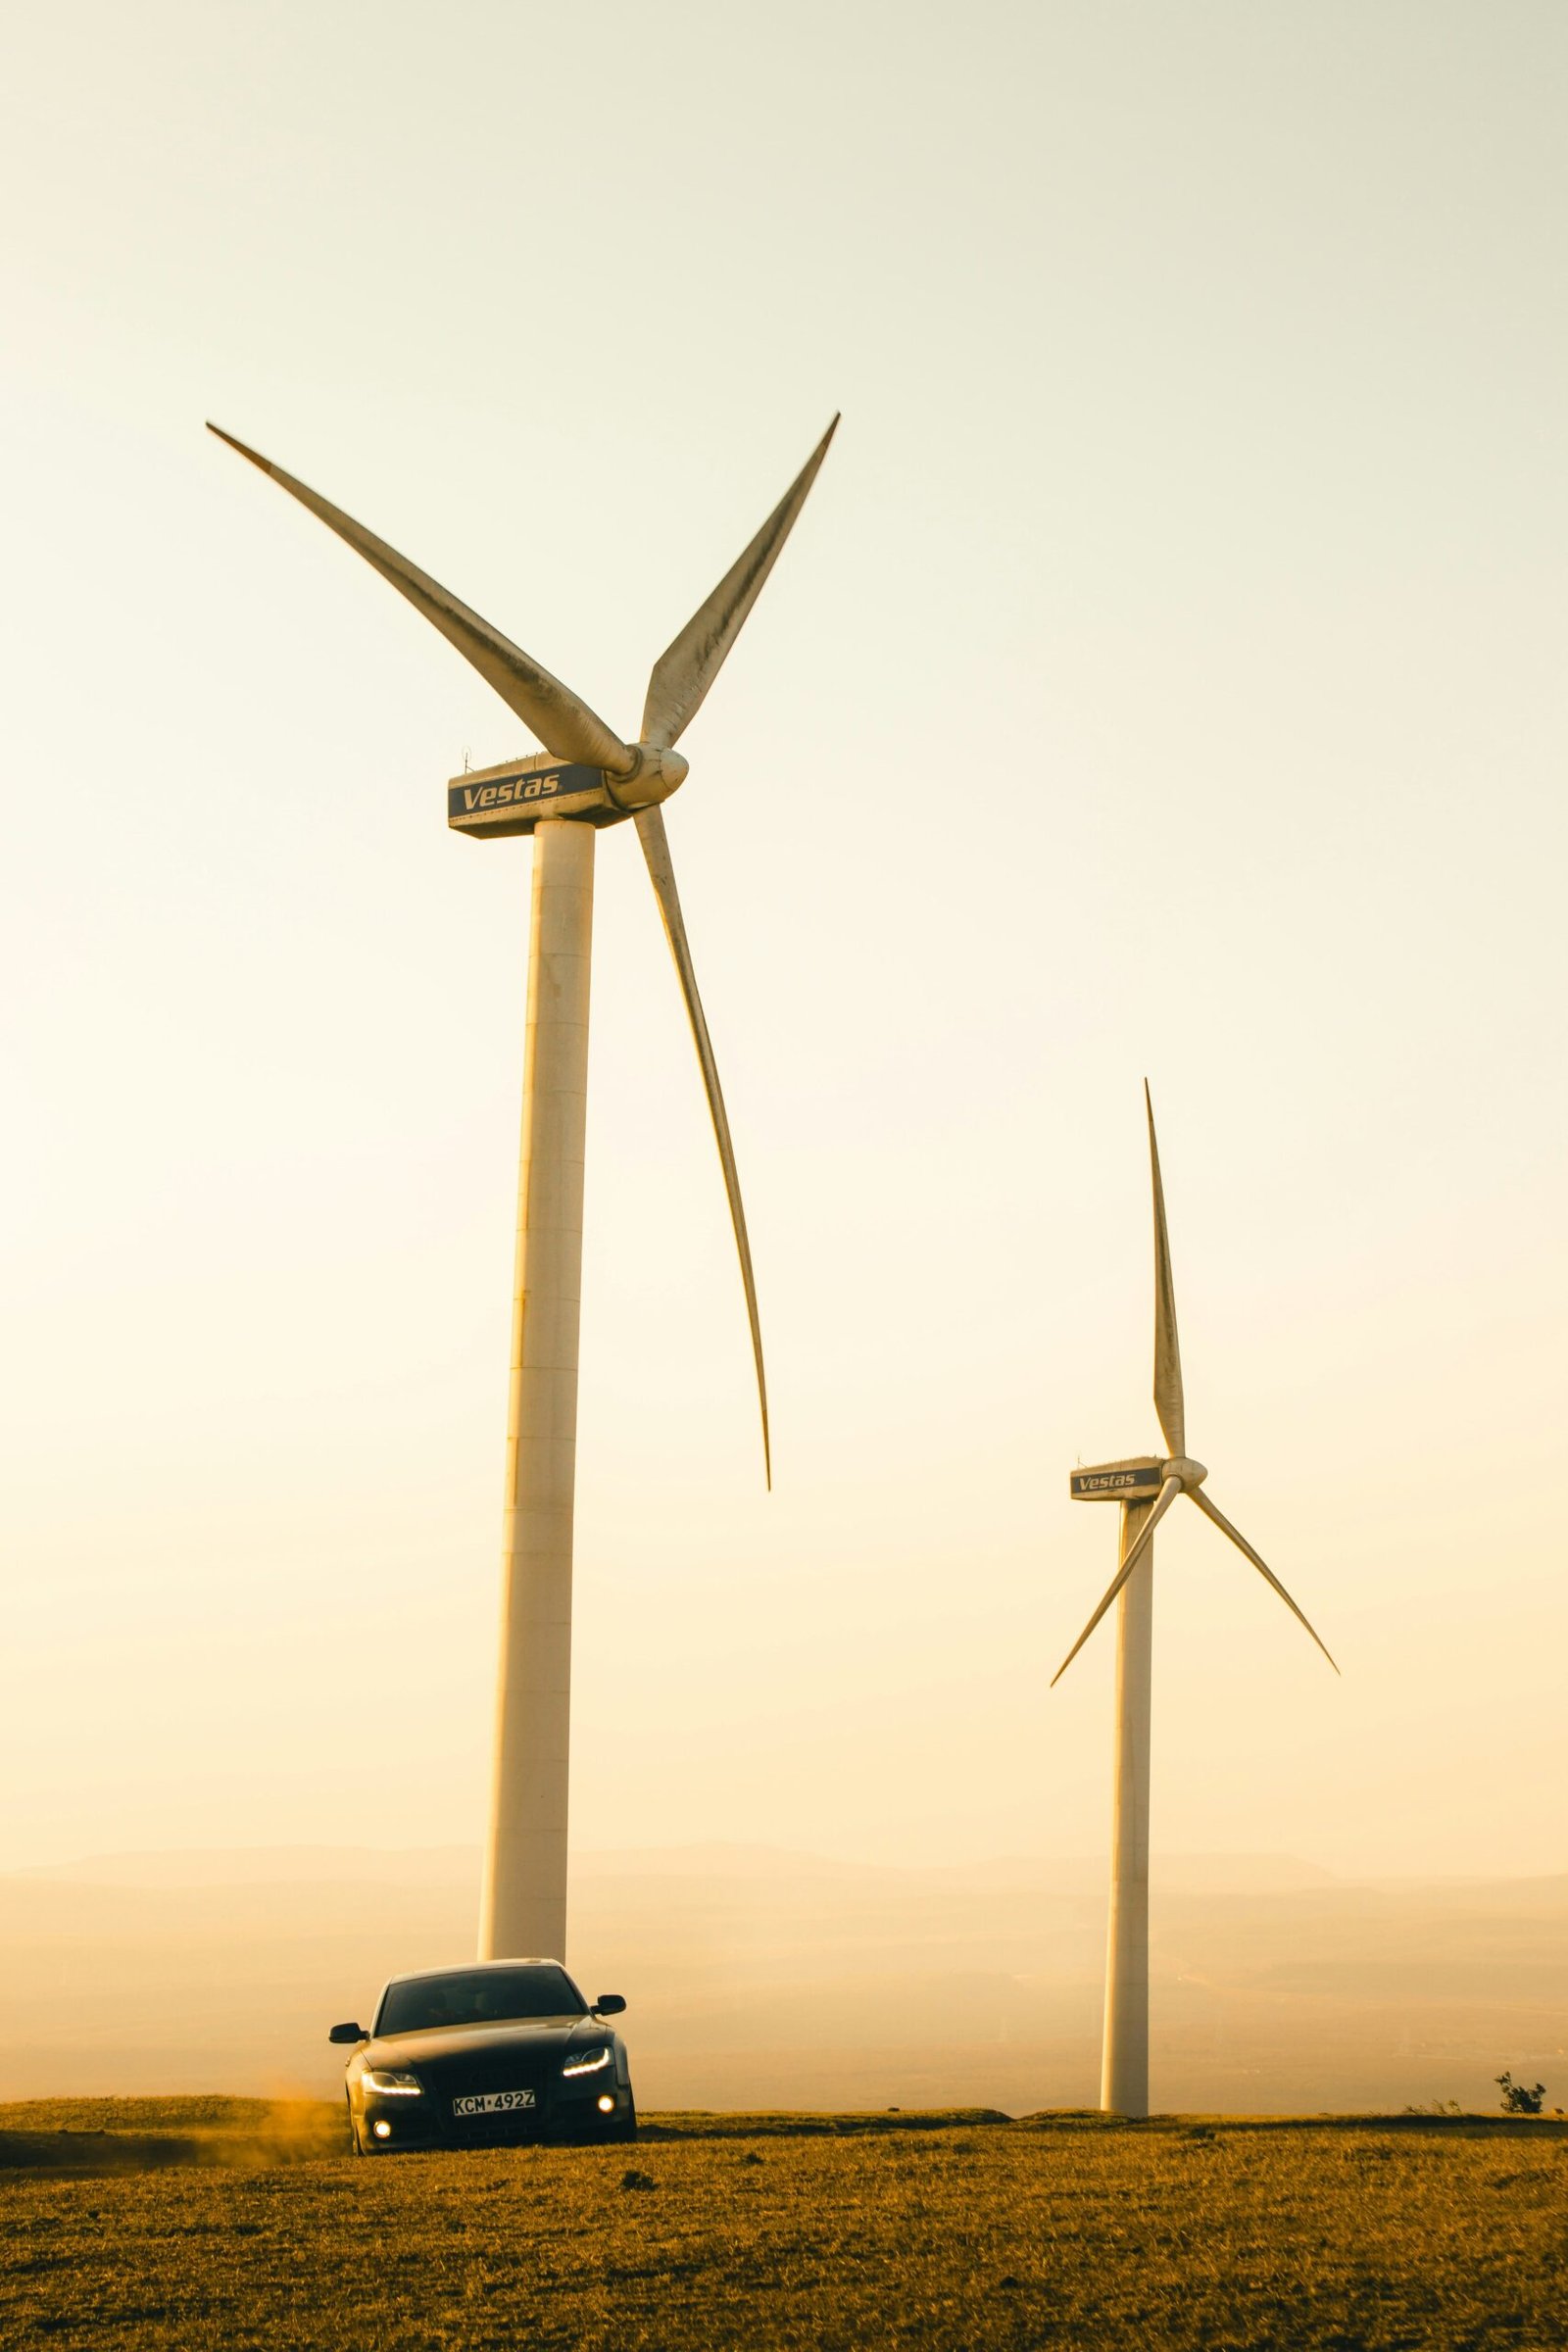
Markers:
(1146, 1488)
(589, 779)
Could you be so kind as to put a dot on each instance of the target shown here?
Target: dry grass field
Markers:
(218, 2222)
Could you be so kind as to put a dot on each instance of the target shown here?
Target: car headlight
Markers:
(390, 2085)
(588, 2062)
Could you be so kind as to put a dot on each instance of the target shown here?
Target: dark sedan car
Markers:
(486, 2056)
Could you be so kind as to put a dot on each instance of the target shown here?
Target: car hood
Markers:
(532, 2037)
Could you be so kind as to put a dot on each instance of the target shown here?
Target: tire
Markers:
(627, 2129)
(356, 2145)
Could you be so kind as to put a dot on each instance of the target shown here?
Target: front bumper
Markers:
(567, 2112)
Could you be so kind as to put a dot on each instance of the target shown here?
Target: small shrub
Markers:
(1516, 2099)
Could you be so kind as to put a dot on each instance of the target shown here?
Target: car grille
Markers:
(496, 2069)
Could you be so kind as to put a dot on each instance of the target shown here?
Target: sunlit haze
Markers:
(1165, 678)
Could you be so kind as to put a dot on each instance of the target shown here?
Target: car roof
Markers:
(472, 1968)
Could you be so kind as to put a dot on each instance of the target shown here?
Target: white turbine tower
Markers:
(588, 778)
(1146, 1488)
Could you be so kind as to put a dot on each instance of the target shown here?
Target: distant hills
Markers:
(762, 1978)
(440, 1865)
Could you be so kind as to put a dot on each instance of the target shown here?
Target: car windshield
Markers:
(477, 1997)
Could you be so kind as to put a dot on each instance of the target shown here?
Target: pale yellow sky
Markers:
(1166, 677)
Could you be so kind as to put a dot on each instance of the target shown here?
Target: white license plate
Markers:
(493, 2103)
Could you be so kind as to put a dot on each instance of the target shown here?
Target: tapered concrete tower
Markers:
(522, 1904)
(589, 779)
(1146, 1488)
(1124, 2045)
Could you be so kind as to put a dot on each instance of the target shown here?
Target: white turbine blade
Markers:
(655, 849)
(1167, 1496)
(686, 669)
(1169, 1402)
(1212, 1511)
(561, 720)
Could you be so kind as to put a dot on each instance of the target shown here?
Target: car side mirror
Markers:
(348, 2033)
(609, 2004)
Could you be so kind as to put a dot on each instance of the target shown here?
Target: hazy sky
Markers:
(1166, 676)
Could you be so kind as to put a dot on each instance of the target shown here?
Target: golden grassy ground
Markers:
(229, 2224)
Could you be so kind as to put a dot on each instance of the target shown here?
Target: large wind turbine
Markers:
(1146, 1488)
(588, 778)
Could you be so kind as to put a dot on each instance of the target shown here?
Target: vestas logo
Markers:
(494, 796)
(472, 798)
(1112, 1481)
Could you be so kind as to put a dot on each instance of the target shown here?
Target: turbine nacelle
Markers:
(1138, 1478)
(497, 804)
